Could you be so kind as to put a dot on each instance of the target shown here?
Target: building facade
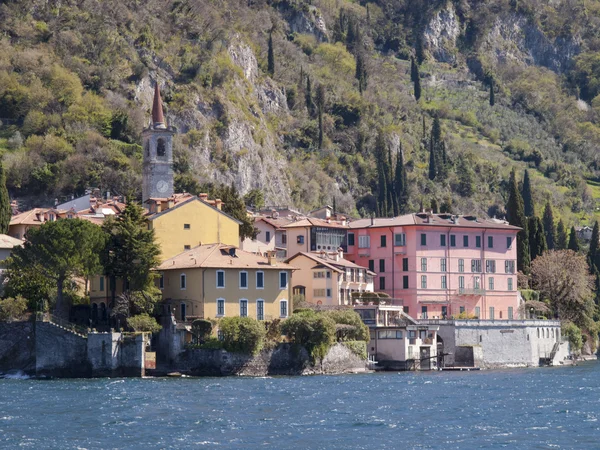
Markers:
(441, 265)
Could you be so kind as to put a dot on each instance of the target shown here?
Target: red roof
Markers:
(157, 110)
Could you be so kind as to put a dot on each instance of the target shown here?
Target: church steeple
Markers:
(158, 119)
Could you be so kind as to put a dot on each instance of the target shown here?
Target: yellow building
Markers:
(184, 221)
(217, 280)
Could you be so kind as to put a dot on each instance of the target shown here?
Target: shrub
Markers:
(273, 328)
(242, 335)
(350, 317)
(314, 331)
(359, 348)
(573, 334)
(201, 329)
(144, 322)
(12, 309)
(209, 344)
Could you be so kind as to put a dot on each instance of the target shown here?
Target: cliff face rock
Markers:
(440, 35)
(307, 20)
(243, 56)
(515, 39)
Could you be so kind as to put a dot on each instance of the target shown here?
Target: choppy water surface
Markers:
(534, 408)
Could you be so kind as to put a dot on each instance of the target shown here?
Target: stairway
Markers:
(62, 324)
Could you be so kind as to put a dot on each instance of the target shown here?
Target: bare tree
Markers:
(562, 277)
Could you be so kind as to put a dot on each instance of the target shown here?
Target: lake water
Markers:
(529, 408)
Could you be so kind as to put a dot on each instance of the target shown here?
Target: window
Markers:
(182, 281)
(182, 311)
(461, 265)
(383, 240)
(477, 312)
(509, 266)
(389, 334)
(442, 240)
(405, 264)
(399, 239)
(102, 283)
(461, 309)
(328, 292)
(423, 264)
(372, 265)
(260, 310)
(268, 236)
(443, 264)
(475, 265)
(364, 241)
(318, 292)
(423, 239)
(318, 274)
(423, 281)
(452, 240)
(220, 307)
(243, 279)
(508, 242)
(510, 284)
(328, 274)
(186, 226)
(382, 265)
(476, 284)
(490, 266)
(300, 239)
(283, 280)
(260, 279)
(243, 308)
(186, 247)
(405, 282)
(283, 308)
(444, 282)
(510, 313)
(491, 283)
(490, 241)
(478, 241)
(461, 282)
(220, 279)
(382, 283)
(160, 147)
(161, 282)
(465, 241)
(423, 316)
(284, 238)
(491, 313)
(350, 239)
(220, 335)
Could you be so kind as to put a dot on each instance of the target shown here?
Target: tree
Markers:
(549, 227)
(144, 323)
(414, 70)
(271, 56)
(400, 184)
(320, 99)
(516, 217)
(361, 71)
(131, 253)
(242, 334)
(492, 93)
(561, 236)
(59, 252)
(433, 171)
(573, 241)
(537, 238)
(417, 87)
(255, 199)
(527, 196)
(385, 197)
(563, 279)
(235, 207)
(466, 177)
(12, 309)
(593, 250)
(5, 209)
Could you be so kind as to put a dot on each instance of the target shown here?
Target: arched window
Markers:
(161, 147)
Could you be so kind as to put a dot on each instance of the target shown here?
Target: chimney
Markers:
(340, 254)
(158, 206)
(203, 197)
(158, 119)
(170, 203)
(218, 203)
(272, 258)
(107, 195)
(372, 221)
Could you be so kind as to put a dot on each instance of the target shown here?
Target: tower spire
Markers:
(158, 119)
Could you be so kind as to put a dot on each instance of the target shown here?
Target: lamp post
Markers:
(531, 312)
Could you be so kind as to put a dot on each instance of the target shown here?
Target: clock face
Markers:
(162, 186)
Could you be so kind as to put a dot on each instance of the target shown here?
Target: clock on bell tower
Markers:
(158, 154)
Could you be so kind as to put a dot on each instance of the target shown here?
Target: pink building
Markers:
(441, 265)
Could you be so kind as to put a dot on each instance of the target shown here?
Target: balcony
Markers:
(470, 291)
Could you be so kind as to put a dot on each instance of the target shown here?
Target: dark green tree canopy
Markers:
(549, 227)
(5, 209)
(573, 241)
(528, 196)
(516, 217)
(562, 238)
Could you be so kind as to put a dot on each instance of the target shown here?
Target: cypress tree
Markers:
(466, 177)
(320, 99)
(436, 130)
(593, 251)
(432, 161)
(561, 236)
(434, 206)
(5, 209)
(310, 106)
(573, 241)
(537, 239)
(417, 88)
(549, 228)
(271, 56)
(361, 71)
(419, 49)
(527, 196)
(516, 217)
(414, 70)
(400, 183)
(424, 128)
(382, 174)
(492, 94)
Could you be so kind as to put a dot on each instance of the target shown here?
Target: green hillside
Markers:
(76, 83)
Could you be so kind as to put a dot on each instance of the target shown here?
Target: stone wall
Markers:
(17, 347)
(285, 359)
(60, 353)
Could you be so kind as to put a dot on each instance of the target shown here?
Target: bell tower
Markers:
(157, 142)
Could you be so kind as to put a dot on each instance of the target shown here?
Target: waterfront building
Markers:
(328, 279)
(271, 236)
(441, 265)
(218, 280)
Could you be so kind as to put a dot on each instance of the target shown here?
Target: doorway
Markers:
(425, 358)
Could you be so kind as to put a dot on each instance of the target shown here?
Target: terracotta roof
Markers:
(7, 241)
(277, 223)
(28, 217)
(339, 265)
(219, 256)
(434, 220)
(313, 222)
(157, 110)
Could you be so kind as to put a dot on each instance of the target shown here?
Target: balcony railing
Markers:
(471, 291)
